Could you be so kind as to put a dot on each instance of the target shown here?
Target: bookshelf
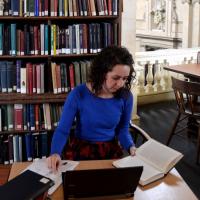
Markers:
(45, 51)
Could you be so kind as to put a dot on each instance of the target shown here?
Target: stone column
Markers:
(129, 39)
(129, 25)
(196, 23)
(187, 25)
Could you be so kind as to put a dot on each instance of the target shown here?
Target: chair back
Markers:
(185, 92)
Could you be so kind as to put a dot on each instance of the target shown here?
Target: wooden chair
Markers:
(187, 107)
(138, 134)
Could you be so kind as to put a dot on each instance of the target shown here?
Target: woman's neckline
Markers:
(87, 86)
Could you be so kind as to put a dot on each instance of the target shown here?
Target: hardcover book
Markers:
(36, 185)
(157, 159)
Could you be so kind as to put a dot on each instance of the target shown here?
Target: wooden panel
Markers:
(4, 173)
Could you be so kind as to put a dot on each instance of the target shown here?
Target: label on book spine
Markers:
(13, 52)
(55, 91)
(15, 13)
(10, 126)
(19, 126)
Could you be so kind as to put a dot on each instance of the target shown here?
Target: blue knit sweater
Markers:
(97, 119)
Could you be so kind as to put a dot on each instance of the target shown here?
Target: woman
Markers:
(102, 108)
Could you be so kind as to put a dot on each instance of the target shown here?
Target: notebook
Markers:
(101, 182)
(26, 186)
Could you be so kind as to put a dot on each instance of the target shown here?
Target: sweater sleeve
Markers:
(62, 132)
(122, 129)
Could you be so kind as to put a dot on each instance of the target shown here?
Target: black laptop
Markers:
(101, 182)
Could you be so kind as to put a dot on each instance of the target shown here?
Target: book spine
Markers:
(4, 118)
(18, 116)
(48, 116)
(25, 9)
(29, 75)
(36, 10)
(13, 39)
(1, 38)
(28, 144)
(6, 8)
(53, 73)
(3, 76)
(37, 117)
(36, 146)
(21, 8)
(10, 114)
(5, 152)
(22, 43)
(15, 8)
(44, 145)
(36, 39)
(32, 117)
(66, 13)
(31, 41)
(42, 77)
(71, 76)
(42, 37)
(20, 148)
(28, 116)
(77, 73)
(9, 74)
(10, 149)
(25, 127)
(38, 79)
(46, 39)
(31, 8)
(34, 78)
(16, 148)
(58, 78)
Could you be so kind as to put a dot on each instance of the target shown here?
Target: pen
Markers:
(64, 163)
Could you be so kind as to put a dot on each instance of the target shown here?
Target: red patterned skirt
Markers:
(84, 150)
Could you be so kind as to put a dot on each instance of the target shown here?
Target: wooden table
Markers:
(188, 70)
(170, 187)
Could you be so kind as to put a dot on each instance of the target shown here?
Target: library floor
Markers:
(157, 120)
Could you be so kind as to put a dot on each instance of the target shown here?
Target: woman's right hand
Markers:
(54, 161)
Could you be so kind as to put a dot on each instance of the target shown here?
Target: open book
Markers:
(157, 159)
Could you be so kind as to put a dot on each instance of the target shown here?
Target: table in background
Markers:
(172, 186)
(189, 70)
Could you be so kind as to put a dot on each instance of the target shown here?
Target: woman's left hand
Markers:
(132, 150)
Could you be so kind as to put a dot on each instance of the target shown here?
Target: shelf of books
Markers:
(46, 48)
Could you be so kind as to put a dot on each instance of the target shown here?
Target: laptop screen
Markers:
(101, 182)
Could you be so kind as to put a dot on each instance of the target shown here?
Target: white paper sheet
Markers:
(40, 167)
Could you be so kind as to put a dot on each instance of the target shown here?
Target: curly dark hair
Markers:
(104, 62)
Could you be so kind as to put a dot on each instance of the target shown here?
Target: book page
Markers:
(149, 173)
(158, 155)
